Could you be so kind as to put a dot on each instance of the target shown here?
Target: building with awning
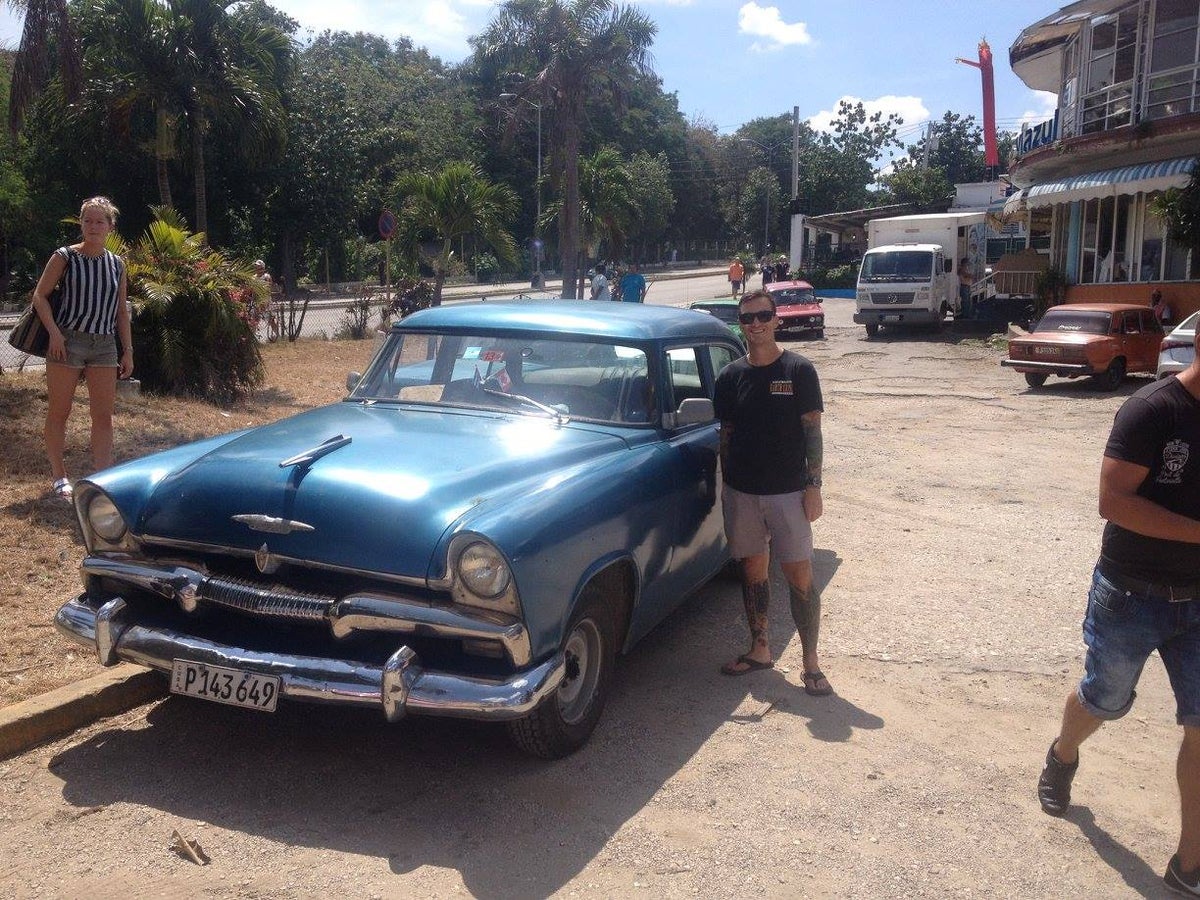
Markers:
(1126, 128)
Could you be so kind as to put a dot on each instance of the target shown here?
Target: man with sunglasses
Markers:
(769, 405)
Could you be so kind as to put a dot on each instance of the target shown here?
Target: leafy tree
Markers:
(194, 309)
(910, 183)
(454, 203)
(1180, 209)
(759, 198)
(47, 32)
(572, 52)
(653, 201)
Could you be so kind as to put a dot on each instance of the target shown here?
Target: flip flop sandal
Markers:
(62, 489)
(811, 680)
(752, 665)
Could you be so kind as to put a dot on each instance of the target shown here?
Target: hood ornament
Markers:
(267, 562)
(271, 524)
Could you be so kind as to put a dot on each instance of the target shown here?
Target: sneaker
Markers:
(1186, 883)
(1054, 787)
(62, 489)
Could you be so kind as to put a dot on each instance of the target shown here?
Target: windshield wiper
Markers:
(560, 417)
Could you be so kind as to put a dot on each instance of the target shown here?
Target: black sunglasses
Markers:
(763, 315)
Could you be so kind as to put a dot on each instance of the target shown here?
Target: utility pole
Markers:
(796, 243)
(931, 143)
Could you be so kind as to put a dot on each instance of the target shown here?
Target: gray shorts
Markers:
(754, 522)
(86, 349)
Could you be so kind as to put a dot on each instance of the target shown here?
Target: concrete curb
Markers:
(48, 716)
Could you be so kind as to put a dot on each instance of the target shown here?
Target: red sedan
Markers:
(797, 307)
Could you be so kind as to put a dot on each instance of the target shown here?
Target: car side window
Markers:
(685, 375)
(719, 356)
(1150, 323)
(1131, 324)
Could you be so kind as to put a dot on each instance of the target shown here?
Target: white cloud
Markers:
(910, 109)
(1046, 102)
(440, 25)
(766, 22)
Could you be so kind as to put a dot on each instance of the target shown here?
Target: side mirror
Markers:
(947, 265)
(694, 411)
(352, 380)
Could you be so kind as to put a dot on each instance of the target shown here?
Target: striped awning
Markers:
(1155, 176)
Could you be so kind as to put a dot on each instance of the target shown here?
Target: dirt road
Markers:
(959, 533)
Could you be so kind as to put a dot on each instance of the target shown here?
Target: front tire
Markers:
(564, 722)
(1035, 379)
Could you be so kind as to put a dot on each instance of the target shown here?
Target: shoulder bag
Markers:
(29, 335)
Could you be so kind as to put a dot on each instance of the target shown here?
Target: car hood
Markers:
(380, 502)
(798, 309)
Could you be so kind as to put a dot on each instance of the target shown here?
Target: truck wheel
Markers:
(563, 723)
(1111, 378)
(1035, 379)
(872, 329)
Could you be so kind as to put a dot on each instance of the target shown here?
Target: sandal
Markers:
(62, 489)
(752, 665)
(812, 684)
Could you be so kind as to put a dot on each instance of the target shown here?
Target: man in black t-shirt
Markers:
(1145, 595)
(769, 405)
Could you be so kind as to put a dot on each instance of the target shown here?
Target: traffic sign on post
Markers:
(387, 224)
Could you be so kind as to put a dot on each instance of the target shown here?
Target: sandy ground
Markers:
(955, 552)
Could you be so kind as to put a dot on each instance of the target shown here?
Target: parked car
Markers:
(509, 496)
(1102, 340)
(1178, 348)
(725, 309)
(797, 307)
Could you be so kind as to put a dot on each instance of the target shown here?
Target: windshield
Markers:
(726, 312)
(897, 265)
(539, 377)
(1075, 321)
(794, 296)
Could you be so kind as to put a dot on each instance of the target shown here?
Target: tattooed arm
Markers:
(814, 451)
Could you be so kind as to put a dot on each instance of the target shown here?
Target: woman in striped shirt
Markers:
(92, 314)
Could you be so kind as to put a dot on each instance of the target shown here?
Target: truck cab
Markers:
(904, 284)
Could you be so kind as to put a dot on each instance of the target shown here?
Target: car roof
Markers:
(785, 285)
(1097, 307)
(607, 320)
(714, 301)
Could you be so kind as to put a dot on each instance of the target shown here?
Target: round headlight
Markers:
(105, 519)
(483, 570)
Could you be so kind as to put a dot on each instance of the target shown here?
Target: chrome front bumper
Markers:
(398, 687)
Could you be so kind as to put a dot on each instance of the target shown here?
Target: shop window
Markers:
(1108, 88)
(1174, 53)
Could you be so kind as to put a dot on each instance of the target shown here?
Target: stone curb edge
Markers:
(59, 712)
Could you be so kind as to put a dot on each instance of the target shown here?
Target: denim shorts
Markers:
(1121, 629)
(754, 522)
(86, 349)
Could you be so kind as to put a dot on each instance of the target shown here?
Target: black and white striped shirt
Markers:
(90, 288)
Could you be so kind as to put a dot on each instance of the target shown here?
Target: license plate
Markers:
(1047, 351)
(231, 686)
(890, 318)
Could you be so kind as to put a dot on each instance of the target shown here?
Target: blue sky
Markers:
(730, 61)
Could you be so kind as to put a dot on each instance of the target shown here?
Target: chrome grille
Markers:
(894, 297)
(274, 600)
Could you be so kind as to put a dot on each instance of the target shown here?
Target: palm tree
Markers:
(47, 28)
(193, 66)
(454, 203)
(571, 52)
(607, 204)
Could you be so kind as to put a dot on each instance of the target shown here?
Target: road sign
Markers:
(387, 224)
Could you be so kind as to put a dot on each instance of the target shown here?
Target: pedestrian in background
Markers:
(633, 285)
(92, 317)
(737, 277)
(600, 288)
(1145, 596)
(769, 405)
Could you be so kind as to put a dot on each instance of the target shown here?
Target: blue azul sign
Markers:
(1038, 135)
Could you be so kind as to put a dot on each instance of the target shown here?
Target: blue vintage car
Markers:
(511, 494)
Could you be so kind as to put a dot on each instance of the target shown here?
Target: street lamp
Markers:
(770, 151)
(539, 280)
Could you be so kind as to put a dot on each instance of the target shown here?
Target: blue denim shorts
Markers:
(1121, 629)
(86, 349)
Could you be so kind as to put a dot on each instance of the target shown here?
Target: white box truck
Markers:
(909, 274)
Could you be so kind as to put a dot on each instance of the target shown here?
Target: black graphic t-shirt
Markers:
(764, 405)
(1158, 427)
